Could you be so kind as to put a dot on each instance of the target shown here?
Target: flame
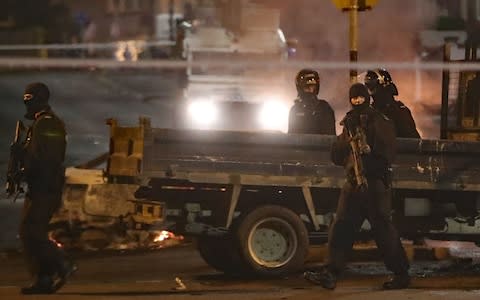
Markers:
(162, 236)
(57, 243)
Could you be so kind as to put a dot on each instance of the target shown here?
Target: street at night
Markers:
(151, 275)
(240, 149)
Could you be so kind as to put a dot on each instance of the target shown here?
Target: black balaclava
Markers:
(39, 100)
(358, 89)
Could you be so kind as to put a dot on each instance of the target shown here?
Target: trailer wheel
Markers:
(220, 253)
(273, 241)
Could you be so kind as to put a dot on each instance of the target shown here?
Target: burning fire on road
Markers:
(164, 236)
(95, 240)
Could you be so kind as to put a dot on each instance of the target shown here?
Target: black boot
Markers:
(43, 285)
(66, 270)
(324, 277)
(398, 281)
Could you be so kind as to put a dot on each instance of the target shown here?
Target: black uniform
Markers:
(44, 153)
(397, 112)
(372, 202)
(311, 115)
(383, 90)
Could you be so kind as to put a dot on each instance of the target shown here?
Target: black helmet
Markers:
(380, 78)
(305, 78)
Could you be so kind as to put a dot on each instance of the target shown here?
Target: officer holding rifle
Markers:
(38, 161)
(366, 148)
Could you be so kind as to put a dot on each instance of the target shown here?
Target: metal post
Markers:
(445, 88)
(171, 21)
(418, 81)
(353, 38)
(470, 49)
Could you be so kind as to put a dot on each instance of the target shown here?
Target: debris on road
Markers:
(180, 285)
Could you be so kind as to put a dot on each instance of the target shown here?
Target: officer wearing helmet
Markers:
(370, 201)
(310, 114)
(381, 87)
(44, 173)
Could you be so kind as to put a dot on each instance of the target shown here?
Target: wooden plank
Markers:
(311, 207)
(233, 203)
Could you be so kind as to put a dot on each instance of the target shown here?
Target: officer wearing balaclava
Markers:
(44, 173)
(372, 202)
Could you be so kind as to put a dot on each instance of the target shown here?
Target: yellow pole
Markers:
(353, 37)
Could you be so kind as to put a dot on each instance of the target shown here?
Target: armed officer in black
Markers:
(371, 201)
(309, 114)
(383, 91)
(44, 173)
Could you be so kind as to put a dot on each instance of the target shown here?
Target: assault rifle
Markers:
(15, 163)
(359, 146)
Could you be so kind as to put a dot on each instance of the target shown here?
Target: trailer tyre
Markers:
(273, 241)
(220, 254)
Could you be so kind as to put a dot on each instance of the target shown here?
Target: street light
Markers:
(353, 7)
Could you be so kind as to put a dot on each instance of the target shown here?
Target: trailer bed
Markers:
(278, 159)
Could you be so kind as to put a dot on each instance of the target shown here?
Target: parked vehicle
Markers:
(224, 91)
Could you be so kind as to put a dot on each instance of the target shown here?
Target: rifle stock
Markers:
(15, 163)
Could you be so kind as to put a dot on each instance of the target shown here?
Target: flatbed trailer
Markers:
(257, 200)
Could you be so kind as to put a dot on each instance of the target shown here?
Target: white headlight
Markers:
(274, 116)
(202, 113)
